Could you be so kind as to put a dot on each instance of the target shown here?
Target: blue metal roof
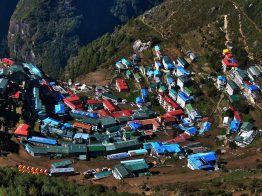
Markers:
(157, 48)
(206, 127)
(234, 126)
(170, 80)
(166, 148)
(144, 92)
(67, 126)
(183, 96)
(157, 146)
(157, 72)
(60, 109)
(222, 78)
(87, 114)
(84, 136)
(118, 63)
(158, 64)
(173, 148)
(51, 121)
(202, 160)
(191, 130)
(182, 70)
(254, 88)
(42, 140)
(139, 100)
(125, 61)
(170, 66)
(134, 125)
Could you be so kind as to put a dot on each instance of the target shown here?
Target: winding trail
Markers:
(244, 13)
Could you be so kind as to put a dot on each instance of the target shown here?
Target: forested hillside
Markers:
(49, 32)
(185, 25)
(14, 183)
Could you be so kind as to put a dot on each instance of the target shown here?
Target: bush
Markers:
(14, 183)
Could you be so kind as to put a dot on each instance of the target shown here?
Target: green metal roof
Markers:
(232, 84)
(69, 148)
(96, 148)
(124, 119)
(110, 147)
(114, 128)
(108, 121)
(128, 72)
(246, 126)
(37, 149)
(162, 88)
(126, 144)
(234, 98)
(3, 82)
(92, 121)
(189, 107)
(62, 163)
(242, 73)
(135, 165)
(140, 115)
(187, 91)
(254, 71)
(172, 92)
(123, 172)
(137, 76)
(127, 134)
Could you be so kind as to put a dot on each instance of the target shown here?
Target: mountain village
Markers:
(146, 117)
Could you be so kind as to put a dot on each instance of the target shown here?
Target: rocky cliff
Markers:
(7, 8)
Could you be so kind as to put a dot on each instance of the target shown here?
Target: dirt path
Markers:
(142, 19)
(244, 13)
(226, 29)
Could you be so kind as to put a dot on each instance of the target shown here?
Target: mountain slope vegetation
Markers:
(185, 25)
(14, 183)
(49, 32)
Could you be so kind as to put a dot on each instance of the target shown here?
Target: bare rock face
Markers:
(19, 36)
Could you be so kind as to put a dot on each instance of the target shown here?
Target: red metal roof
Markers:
(227, 62)
(22, 130)
(121, 84)
(7, 61)
(152, 121)
(170, 101)
(237, 116)
(228, 55)
(16, 95)
(108, 104)
(82, 126)
(93, 101)
(73, 102)
(103, 113)
(169, 118)
(122, 113)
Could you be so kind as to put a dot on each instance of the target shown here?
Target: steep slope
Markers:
(49, 32)
(6, 10)
(180, 24)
